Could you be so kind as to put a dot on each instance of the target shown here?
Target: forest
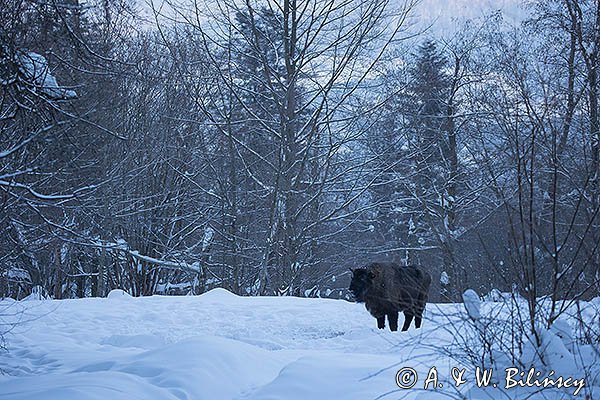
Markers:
(266, 147)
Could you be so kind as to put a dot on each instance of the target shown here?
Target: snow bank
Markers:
(222, 346)
(37, 293)
(472, 304)
(118, 294)
(218, 294)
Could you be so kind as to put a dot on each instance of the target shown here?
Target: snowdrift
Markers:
(222, 346)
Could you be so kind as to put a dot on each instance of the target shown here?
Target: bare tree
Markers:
(285, 72)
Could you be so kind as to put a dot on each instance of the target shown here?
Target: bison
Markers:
(387, 288)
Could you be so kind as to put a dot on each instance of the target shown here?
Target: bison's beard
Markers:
(361, 282)
(359, 295)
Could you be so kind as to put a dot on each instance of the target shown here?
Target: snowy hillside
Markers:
(219, 346)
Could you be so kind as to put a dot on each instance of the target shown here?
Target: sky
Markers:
(443, 15)
(446, 12)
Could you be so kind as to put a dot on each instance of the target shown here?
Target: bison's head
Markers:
(361, 282)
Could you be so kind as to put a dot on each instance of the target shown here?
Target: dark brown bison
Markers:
(387, 288)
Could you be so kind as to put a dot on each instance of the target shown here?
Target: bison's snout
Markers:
(359, 284)
(357, 296)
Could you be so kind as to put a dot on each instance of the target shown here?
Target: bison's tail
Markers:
(426, 282)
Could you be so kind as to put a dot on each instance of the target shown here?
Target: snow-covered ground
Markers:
(218, 346)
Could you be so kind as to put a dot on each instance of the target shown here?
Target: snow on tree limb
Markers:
(34, 68)
(124, 247)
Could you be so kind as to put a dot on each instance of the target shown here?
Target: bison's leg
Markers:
(408, 317)
(419, 314)
(418, 319)
(381, 322)
(393, 320)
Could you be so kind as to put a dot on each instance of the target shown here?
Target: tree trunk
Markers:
(58, 274)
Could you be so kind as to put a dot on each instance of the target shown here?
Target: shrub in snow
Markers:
(496, 296)
(563, 330)
(551, 354)
(499, 338)
(37, 293)
(312, 292)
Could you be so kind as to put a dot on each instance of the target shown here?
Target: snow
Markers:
(209, 233)
(222, 346)
(118, 294)
(122, 245)
(35, 68)
(444, 278)
(37, 293)
(552, 352)
(494, 295)
(18, 274)
(472, 304)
